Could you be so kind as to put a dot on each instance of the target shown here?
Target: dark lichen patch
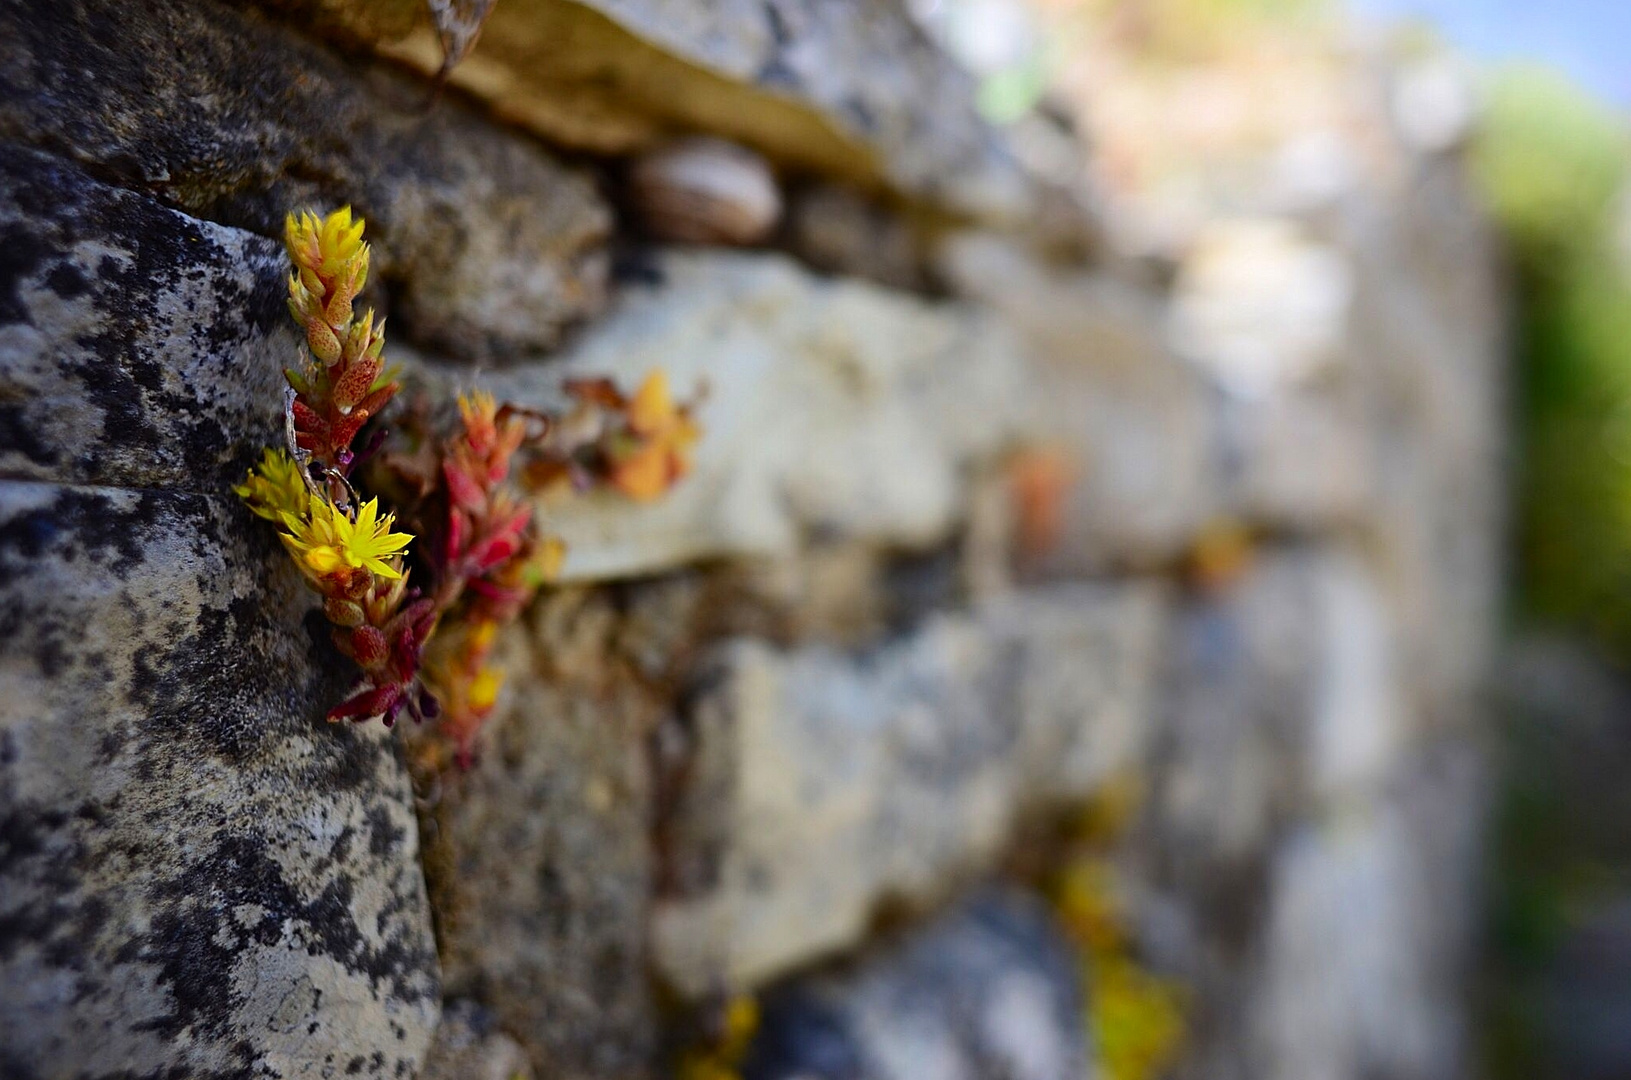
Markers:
(21, 253)
(200, 933)
(159, 339)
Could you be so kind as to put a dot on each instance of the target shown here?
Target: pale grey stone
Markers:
(827, 783)
(1158, 447)
(1259, 305)
(829, 408)
(1285, 693)
(1430, 337)
(138, 346)
(1369, 925)
(1134, 422)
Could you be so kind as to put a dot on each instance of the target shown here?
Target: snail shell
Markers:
(705, 191)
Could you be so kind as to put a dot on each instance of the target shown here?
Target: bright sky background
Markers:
(1590, 39)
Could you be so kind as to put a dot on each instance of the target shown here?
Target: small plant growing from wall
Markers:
(418, 578)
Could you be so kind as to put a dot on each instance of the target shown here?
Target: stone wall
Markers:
(987, 522)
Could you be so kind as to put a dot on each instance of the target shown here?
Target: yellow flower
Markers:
(327, 245)
(274, 487)
(652, 409)
(326, 540)
(484, 689)
(660, 453)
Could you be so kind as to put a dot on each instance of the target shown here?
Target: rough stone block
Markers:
(540, 856)
(827, 784)
(488, 243)
(833, 408)
(138, 346)
(1160, 446)
(197, 875)
(986, 990)
(1374, 907)
(1284, 694)
(1429, 333)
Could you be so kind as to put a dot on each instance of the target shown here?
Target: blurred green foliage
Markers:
(1553, 164)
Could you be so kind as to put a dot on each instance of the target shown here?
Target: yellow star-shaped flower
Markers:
(327, 540)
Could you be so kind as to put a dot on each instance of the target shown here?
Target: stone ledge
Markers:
(854, 92)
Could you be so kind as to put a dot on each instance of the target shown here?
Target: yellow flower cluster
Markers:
(322, 537)
(274, 487)
(1135, 1016)
(328, 540)
(330, 269)
(349, 383)
(489, 559)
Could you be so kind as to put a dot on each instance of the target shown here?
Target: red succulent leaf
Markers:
(376, 701)
(457, 526)
(346, 429)
(369, 647)
(462, 487)
(501, 544)
(306, 418)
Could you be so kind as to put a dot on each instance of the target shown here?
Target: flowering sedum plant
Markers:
(418, 611)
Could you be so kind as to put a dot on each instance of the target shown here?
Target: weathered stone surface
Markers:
(138, 346)
(1310, 851)
(1375, 907)
(1134, 421)
(1285, 693)
(486, 243)
(832, 408)
(826, 784)
(1158, 445)
(1259, 305)
(853, 91)
(1429, 332)
(197, 875)
(540, 856)
(469, 1046)
(986, 991)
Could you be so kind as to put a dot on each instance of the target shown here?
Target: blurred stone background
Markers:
(1080, 650)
